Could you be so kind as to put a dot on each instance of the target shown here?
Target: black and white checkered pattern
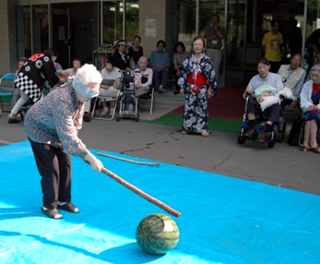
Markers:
(24, 83)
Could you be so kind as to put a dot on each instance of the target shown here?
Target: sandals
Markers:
(86, 117)
(69, 207)
(13, 120)
(52, 213)
(305, 148)
(316, 150)
(205, 134)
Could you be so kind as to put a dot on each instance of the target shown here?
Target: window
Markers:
(40, 28)
(132, 19)
(112, 21)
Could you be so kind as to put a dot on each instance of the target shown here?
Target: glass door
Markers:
(112, 22)
(61, 37)
(238, 55)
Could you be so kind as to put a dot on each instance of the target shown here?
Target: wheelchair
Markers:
(277, 133)
(128, 102)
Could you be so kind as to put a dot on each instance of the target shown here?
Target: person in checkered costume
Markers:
(31, 79)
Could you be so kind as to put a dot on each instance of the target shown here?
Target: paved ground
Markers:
(282, 166)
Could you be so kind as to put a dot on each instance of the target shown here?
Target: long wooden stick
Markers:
(128, 160)
(140, 192)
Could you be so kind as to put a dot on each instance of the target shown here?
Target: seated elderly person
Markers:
(110, 72)
(294, 78)
(76, 64)
(160, 63)
(310, 104)
(143, 78)
(273, 112)
(121, 57)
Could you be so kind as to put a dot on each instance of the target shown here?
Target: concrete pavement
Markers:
(283, 166)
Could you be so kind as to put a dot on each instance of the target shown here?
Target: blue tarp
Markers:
(223, 219)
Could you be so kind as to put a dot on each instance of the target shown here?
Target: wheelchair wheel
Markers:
(282, 131)
(241, 139)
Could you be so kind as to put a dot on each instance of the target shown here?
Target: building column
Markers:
(8, 37)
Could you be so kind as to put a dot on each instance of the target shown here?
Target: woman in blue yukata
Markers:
(197, 83)
(52, 126)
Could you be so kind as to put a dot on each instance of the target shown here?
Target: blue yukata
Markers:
(196, 114)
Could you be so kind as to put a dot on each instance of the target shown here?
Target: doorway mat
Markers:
(228, 104)
(221, 124)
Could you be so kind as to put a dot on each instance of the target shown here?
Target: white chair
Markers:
(95, 114)
(6, 90)
(149, 96)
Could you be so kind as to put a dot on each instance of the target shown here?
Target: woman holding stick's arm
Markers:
(52, 127)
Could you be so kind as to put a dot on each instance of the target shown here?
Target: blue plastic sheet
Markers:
(223, 220)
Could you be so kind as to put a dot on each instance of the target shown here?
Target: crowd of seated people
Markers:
(156, 71)
(305, 95)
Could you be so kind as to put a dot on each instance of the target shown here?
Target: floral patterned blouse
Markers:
(57, 118)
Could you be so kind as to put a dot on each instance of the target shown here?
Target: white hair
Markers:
(143, 58)
(88, 75)
(315, 67)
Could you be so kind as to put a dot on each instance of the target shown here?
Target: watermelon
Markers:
(157, 234)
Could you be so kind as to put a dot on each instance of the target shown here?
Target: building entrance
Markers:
(75, 33)
(247, 21)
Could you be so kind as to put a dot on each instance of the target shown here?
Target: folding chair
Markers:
(6, 90)
(95, 114)
(149, 95)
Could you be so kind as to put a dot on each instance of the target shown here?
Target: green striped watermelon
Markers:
(157, 234)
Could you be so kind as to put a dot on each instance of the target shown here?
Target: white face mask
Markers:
(84, 94)
(81, 98)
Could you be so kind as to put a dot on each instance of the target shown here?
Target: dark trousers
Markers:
(54, 166)
(160, 78)
(275, 65)
(272, 113)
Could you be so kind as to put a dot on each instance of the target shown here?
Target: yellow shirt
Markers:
(272, 43)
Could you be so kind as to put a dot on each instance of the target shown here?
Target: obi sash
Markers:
(197, 79)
